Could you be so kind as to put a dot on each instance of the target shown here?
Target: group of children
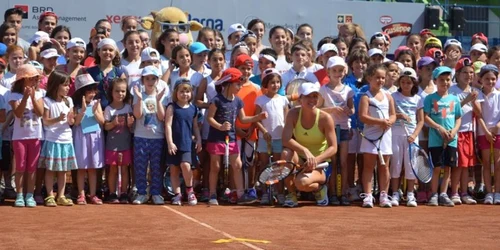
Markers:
(136, 115)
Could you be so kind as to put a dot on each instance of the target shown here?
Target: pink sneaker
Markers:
(422, 197)
(81, 200)
(95, 200)
(192, 201)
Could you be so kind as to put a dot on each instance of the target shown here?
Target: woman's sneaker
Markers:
(368, 200)
(192, 201)
(488, 200)
(412, 202)
(81, 200)
(321, 196)
(177, 200)
(467, 199)
(291, 200)
(19, 201)
(385, 200)
(213, 200)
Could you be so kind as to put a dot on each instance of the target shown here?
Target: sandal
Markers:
(50, 201)
(95, 200)
(81, 200)
(64, 202)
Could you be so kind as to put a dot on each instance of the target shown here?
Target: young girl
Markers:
(258, 27)
(375, 76)
(414, 42)
(406, 57)
(59, 38)
(470, 100)
(238, 49)
(8, 34)
(57, 154)
(27, 105)
(167, 41)
(145, 40)
(119, 121)
(207, 36)
(272, 127)
(337, 100)
(222, 113)
(488, 132)
(267, 60)
(131, 56)
(277, 38)
(350, 31)
(48, 58)
(235, 32)
(200, 55)
(219, 41)
(181, 59)
(311, 53)
(129, 23)
(205, 93)
(15, 58)
(149, 136)
(392, 77)
(87, 136)
(182, 117)
(342, 48)
(38, 40)
(410, 120)
(250, 39)
(305, 32)
(493, 56)
(76, 52)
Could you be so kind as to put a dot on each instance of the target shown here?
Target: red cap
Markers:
(243, 59)
(230, 75)
(46, 14)
(481, 37)
(3, 63)
(399, 49)
(462, 63)
(426, 32)
(432, 52)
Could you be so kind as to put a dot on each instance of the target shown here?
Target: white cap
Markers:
(84, 80)
(235, 28)
(409, 72)
(400, 66)
(150, 54)
(336, 61)
(40, 36)
(328, 47)
(375, 51)
(107, 41)
(452, 42)
(308, 88)
(479, 47)
(76, 42)
(49, 53)
(151, 70)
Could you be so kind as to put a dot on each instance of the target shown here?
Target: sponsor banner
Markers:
(81, 16)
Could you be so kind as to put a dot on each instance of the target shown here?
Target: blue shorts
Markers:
(344, 135)
(276, 145)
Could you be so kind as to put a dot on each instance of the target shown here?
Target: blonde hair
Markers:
(180, 87)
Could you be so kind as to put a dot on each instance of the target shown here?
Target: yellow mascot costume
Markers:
(170, 18)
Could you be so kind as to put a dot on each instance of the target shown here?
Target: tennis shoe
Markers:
(213, 200)
(395, 199)
(334, 200)
(321, 196)
(344, 201)
(385, 200)
(19, 201)
(205, 195)
(467, 199)
(245, 199)
(368, 200)
(30, 201)
(251, 192)
(158, 200)
(192, 201)
(496, 199)
(444, 200)
(433, 201)
(123, 198)
(488, 200)
(113, 199)
(140, 199)
(291, 200)
(412, 202)
(177, 200)
(265, 199)
(281, 199)
(456, 199)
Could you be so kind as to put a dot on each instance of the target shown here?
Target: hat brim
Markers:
(87, 84)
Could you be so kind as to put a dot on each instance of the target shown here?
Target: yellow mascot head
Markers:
(170, 18)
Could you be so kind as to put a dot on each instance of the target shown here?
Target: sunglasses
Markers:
(180, 27)
(407, 73)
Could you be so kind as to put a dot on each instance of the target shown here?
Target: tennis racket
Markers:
(246, 164)
(292, 89)
(420, 162)
(226, 164)
(492, 163)
(270, 187)
(120, 161)
(339, 170)
(375, 137)
(279, 170)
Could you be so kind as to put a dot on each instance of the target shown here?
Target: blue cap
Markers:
(439, 71)
(3, 49)
(424, 61)
(182, 80)
(151, 70)
(197, 48)
(488, 68)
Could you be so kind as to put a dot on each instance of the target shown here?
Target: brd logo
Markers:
(216, 24)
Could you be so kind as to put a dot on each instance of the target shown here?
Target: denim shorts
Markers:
(344, 135)
(276, 145)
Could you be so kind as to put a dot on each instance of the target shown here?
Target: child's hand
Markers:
(137, 92)
(471, 96)
(411, 139)
(263, 115)
(130, 120)
(97, 104)
(62, 117)
(71, 116)
(490, 136)
(267, 137)
(386, 124)
(226, 126)
(172, 149)
(347, 110)
(28, 91)
(84, 105)
(116, 122)
(160, 95)
(198, 146)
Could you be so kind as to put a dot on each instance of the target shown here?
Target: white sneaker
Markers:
(368, 200)
(496, 199)
(467, 199)
(395, 199)
(412, 201)
(264, 200)
(177, 200)
(488, 200)
(140, 199)
(192, 201)
(385, 200)
(158, 200)
(456, 199)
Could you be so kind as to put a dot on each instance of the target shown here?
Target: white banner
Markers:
(324, 15)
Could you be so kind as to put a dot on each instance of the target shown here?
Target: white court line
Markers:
(213, 228)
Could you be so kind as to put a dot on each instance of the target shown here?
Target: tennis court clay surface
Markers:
(248, 227)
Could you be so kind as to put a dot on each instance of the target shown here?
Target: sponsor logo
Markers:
(24, 8)
(118, 18)
(397, 29)
(214, 23)
(344, 19)
(386, 19)
(41, 9)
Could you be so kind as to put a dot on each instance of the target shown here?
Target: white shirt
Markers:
(4, 96)
(149, 126)
(175, 75)
(491, 108)
(159, 87)
(408, 105)
(164, 64)
(373, 131)
(8, 79)
(59, 132)
(132, 71)
(314, 67)
(291, 74)
(334, 98)
(210, 93)
(30, 125)
(467, 108)
(282, 65)
(275, 107)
